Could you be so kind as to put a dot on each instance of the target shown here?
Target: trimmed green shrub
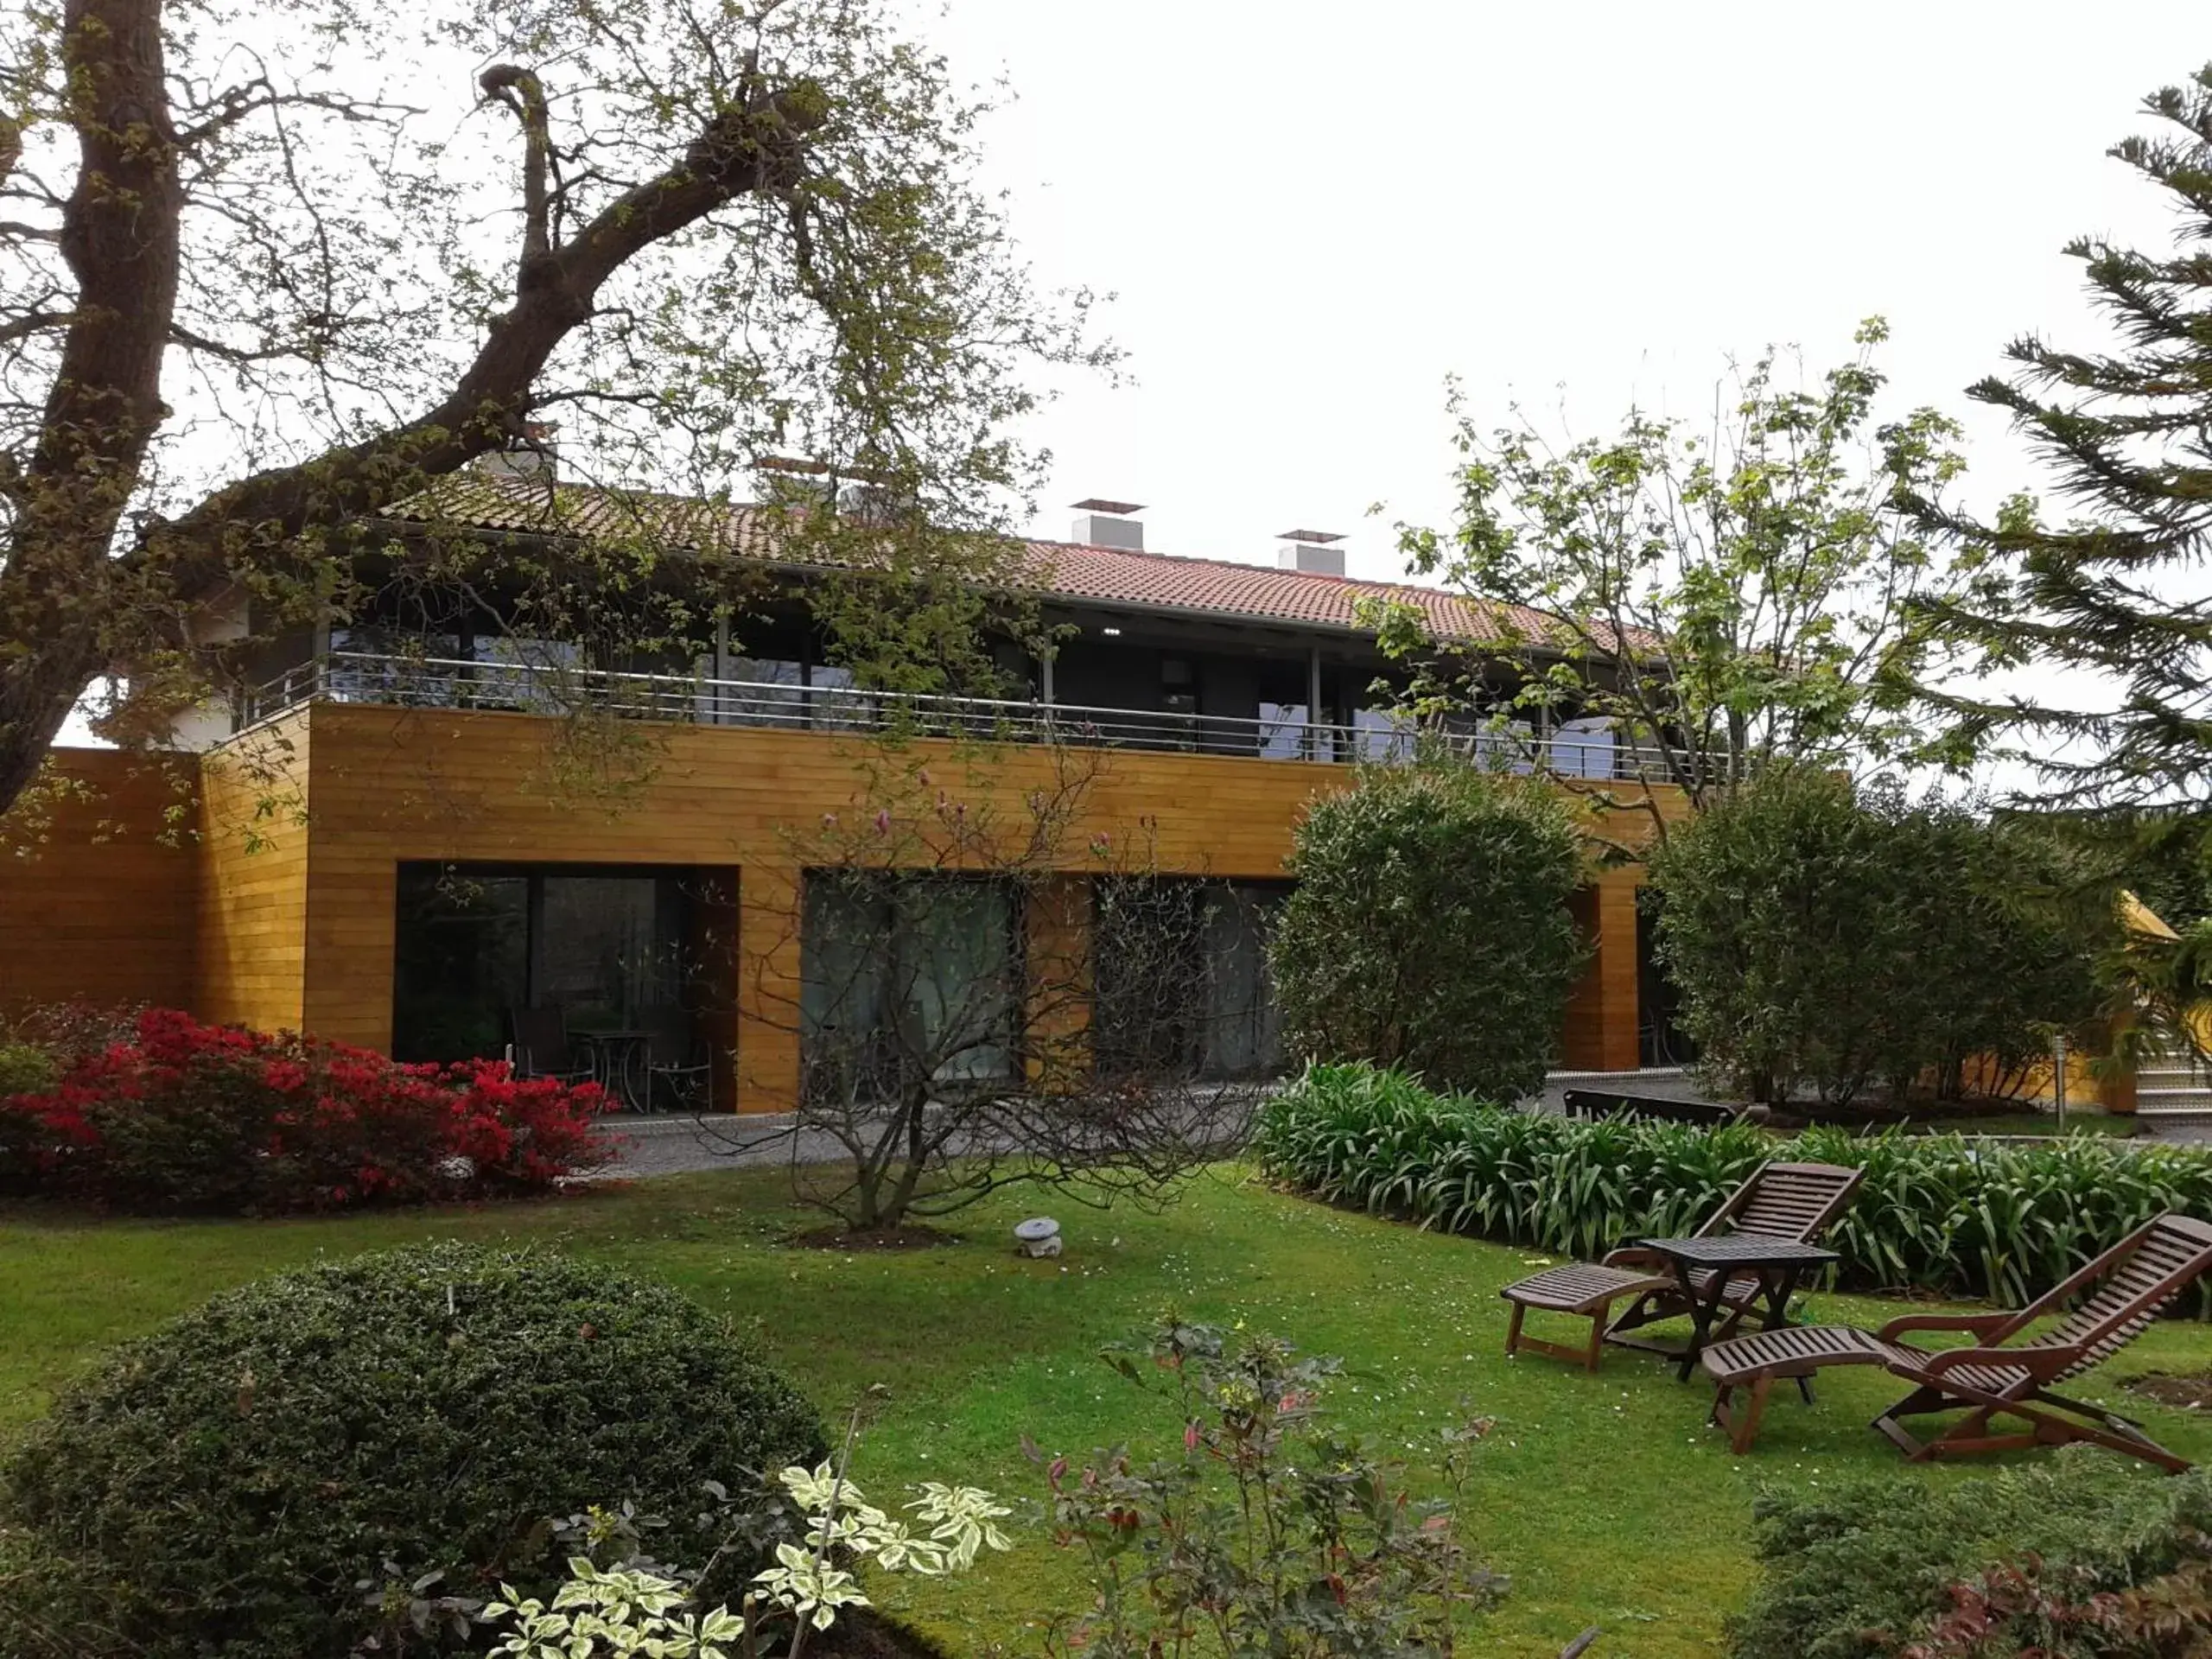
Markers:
(1430, 928)
(1976, 1218)
(224, 1486)
(1840, 939)
(1867, 1570)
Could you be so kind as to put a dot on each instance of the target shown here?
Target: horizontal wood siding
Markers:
(94, 907)
(255, 840)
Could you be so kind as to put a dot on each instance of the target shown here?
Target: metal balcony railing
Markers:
(561, 689)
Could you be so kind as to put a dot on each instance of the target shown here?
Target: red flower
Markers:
(186, 1116)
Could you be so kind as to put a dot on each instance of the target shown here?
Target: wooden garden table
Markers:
(1705, 1266)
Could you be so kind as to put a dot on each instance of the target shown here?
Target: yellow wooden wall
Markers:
(96, 901)
(255, 841)
(1605, 1010)
(393, 784)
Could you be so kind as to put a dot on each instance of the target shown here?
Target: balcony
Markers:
(1376, 736)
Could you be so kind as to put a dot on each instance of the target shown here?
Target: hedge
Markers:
(1944, 1213)
(1855, 941)
(1870, 1568)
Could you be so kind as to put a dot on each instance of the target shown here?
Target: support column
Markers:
(1316, 742)
(1603, 1010)
(768, 969)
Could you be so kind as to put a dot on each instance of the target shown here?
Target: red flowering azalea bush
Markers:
(170, 1113)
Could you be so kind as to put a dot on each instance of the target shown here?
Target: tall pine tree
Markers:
(2113, 583)
(2118, 585)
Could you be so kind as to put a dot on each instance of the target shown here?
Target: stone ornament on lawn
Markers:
(1040, 1236)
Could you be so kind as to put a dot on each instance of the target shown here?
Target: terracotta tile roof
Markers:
(1262, 593)
(1099, 576)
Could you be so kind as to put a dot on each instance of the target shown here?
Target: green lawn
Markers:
(1605, 1496)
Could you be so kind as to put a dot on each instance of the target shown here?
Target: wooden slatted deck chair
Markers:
(1789, 1201)
(2122, 1291)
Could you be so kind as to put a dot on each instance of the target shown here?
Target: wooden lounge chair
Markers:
(1994, 1375)
(1789, 1201)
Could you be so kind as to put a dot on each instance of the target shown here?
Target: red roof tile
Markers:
(1101, 575)
(1262, 593)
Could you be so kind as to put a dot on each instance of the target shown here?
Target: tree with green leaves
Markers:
(269, 270)
(1721, 596)
(1853, 939)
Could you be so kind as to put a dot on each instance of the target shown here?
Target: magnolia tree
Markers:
(991, 993)
(269, 270)
(1715, 596)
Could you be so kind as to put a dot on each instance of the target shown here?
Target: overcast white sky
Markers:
(1312, 214)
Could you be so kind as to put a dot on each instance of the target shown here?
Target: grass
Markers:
(1605, 1497)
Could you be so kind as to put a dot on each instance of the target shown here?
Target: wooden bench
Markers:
(1610, 1102)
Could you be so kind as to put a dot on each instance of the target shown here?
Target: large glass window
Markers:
(614, 950)
(462, 961)
(1181, 974)
(906, 979)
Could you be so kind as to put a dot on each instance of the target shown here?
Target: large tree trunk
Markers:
(72, 605)
(120, 234)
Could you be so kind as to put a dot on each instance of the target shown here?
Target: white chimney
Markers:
(1108, 523)
(532, 457)
(1314, 551)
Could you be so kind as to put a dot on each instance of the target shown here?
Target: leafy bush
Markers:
(181, 1115)
(1377, 1138)
(228, 1485)
(1430, 930)
(1939, 1212)
(629, 1604)
(26, 1069)
(1266, 1531)
(1871, 1569)
(1817, 935)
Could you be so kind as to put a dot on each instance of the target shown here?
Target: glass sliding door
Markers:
(1180, 968)
(1243, 1026)
(608, 947)
(612, 948)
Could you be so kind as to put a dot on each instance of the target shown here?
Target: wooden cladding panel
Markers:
(1602, 1011)
(94, 907)
(254, 886)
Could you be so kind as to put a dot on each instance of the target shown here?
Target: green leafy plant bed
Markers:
(1947, 1214)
